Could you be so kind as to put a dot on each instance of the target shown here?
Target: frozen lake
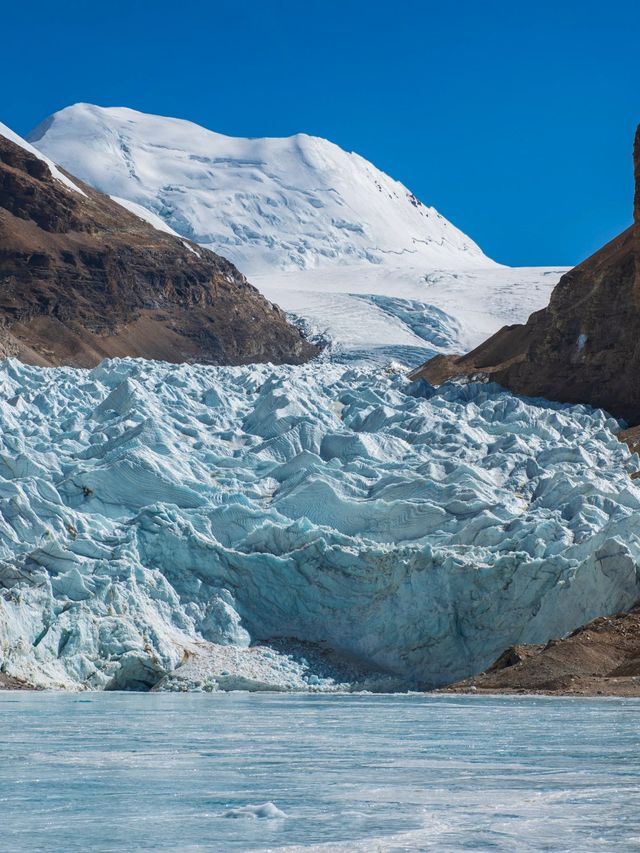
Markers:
(134, 772)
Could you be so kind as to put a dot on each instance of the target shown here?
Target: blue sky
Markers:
(514, 119)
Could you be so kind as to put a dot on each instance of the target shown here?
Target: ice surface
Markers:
(200, 527)
(354, 774)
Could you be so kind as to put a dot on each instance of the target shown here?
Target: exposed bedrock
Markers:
(602, 657)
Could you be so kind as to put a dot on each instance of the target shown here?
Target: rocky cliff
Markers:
(584, 347)
(82, 278)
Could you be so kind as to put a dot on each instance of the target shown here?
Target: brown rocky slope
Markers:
(602, 657)
(584, 347)
(82, 279)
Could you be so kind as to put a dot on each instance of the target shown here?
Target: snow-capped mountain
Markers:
(83, 279)
(299, 202)
(321, 232)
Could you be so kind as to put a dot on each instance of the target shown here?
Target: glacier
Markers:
(407, 314)
(321, 527)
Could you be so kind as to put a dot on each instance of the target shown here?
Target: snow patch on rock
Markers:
(57, 174)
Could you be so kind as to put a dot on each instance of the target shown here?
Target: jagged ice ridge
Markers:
(159, 519)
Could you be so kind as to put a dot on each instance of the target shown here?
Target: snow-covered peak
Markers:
(57, 174)
(296, 202)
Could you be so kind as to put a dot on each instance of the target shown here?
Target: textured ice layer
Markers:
(148, 511)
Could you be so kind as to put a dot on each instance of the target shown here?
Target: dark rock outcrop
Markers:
(81, 279)
(8, 682)
(584, 347)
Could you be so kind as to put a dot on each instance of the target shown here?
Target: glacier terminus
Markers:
(319, 527)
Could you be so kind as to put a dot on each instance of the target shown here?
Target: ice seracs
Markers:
(322, 527)
(312, 528)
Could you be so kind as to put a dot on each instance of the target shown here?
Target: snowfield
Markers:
(347, 250)
(318, 527)
(297, 202)
(404, 314)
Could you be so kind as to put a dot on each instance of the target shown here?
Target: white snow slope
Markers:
(216, 528)
(263, 203)
(320, 231)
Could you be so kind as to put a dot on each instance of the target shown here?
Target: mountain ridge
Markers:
(82, 279)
